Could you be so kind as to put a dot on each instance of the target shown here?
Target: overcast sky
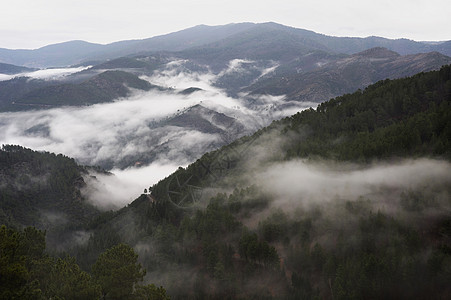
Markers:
(36, 23)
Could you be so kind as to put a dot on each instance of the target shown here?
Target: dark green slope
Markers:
(43, 190)
(392, 244)
(404, 118)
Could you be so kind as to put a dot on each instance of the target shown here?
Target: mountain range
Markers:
(300, 165)
(207, 40)
(304, 77)
(266, 71)
(347, 74)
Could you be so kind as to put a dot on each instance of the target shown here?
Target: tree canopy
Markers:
(117, 271)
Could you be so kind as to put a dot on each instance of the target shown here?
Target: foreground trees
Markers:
(27, 272)
(19, 252)
(117, 271)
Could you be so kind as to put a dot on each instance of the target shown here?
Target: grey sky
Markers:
(36, 23)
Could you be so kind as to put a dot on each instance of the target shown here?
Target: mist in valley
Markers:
(309, 210)
(134, 135)
(46, 74)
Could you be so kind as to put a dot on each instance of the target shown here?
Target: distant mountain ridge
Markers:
(75, 52)
(23, 93)
(347, 74)
(211, 37)
(309, 76)
(12, 69)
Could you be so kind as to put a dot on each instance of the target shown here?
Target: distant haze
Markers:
(32, 24)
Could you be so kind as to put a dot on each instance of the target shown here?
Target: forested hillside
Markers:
(42, 190)
(405, 118)
(347, 201)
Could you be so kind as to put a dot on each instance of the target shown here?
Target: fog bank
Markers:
(46, 74)
(298, 183)
(123, 186)
(134, 135)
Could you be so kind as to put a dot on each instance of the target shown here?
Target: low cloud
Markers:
(113, 191)
(109, 134)
(299, 183)
(92, 134)
(236, 66)
(46, 74)
(133, 131)
(175, 75)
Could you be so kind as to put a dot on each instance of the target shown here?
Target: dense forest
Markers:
(27, 272)
(368, 218)
(37, 186)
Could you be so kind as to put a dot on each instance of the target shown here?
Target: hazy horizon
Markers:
(26, 25)
(216, 25)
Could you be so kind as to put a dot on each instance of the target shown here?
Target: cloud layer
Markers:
(115, 191)
(46, 74)
(133, 132)
(300, 183)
